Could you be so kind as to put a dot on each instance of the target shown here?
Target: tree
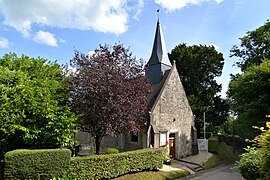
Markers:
(110, 91)
(249, 94)
(254, 47)
(34, 105)
(197, 66)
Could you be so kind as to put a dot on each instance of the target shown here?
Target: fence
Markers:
(203, 144)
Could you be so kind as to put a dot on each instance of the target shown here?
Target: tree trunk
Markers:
(98, 140)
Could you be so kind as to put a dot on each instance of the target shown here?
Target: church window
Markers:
(134, 137)
(163, 139)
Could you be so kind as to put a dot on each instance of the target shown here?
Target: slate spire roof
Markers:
(159, 51)
(159, 61)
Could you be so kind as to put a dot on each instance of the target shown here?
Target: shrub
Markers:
(249, 164)
(255, 163)
(36, 164)
(213, 144)
(165, 155)
(113, 165)
(111, 151)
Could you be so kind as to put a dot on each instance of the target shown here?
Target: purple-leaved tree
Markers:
(110, 90)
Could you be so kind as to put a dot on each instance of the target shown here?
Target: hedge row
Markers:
(113, 165)
(213, 144)
(36, 164)
(46, 164)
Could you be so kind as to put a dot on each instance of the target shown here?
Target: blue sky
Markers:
(52, 29)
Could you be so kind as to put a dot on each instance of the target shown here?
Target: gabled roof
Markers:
(159, 51)
(155, 90)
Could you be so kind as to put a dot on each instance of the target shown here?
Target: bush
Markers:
(36, 164)
(213, 144)
(255, 163)
(113, 165)
(249, 164)
(165, 156)
(111, 151)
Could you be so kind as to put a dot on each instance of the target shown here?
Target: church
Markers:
(170, 121)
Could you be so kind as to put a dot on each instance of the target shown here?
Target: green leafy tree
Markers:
(249, 94)
(110, 91)
(254, 47)
(34, 104)
(198, 66)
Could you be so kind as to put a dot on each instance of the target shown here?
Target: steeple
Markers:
(159, 61)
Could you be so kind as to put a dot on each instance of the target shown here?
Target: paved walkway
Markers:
(200, 158)
(221, 173)
(176, 165)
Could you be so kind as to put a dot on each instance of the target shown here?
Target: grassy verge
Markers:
(155, 175)
(224, 154)
(212, 162)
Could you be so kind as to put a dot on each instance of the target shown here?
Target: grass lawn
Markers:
(153, 175)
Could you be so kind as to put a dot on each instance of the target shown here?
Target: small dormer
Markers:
(159, 61)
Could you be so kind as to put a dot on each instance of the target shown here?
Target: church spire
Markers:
(159, 61)
(159, 51)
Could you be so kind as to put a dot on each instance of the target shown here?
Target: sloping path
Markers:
(192, 164)
(221, 173)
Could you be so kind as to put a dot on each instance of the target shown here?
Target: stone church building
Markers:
(170, 122)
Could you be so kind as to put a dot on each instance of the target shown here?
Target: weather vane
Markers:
(158, 13)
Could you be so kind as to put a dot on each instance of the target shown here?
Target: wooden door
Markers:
(172, 147)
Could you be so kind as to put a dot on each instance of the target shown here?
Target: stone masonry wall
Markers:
(172, 113)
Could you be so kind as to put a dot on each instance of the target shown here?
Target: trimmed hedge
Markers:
(213, 144)
(111, 151)
(36, 164)
(113, 165)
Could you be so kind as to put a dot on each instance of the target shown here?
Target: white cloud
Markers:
(139, 8)
(4, 43)
(109, 16)
(62, 40)
(171, 5)
(47, 38)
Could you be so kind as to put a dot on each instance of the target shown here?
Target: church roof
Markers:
(155, 90)
(159, 51)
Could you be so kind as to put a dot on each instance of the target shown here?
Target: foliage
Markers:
(255, 163)
(250, 163)
(111, 151)
(157, 175)
(36, 164)
(34, 106)
(198, 66)
(263, 143)
(254, 47)
(222, 153)
(113, 165)
(249, 94)
(165, 155)
(110, 90)
(213, 144)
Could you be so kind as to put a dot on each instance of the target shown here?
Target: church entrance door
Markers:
(172, 145)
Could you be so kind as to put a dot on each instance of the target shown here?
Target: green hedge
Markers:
(213, 144)
(36, 164)
(113, 165)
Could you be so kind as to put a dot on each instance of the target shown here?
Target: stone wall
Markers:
(172, 113)
(87, 143)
